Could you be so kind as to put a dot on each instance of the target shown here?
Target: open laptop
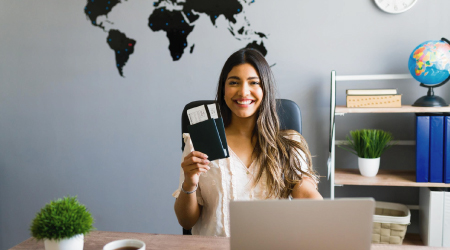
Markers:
(302, 224)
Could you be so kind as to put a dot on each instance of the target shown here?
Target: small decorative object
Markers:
(62, 224)
(368, 145)
(395, 6)
(429, 63)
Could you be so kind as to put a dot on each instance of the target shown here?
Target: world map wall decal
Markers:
(177, 19)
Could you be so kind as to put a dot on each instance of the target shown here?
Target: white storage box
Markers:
(390, 223)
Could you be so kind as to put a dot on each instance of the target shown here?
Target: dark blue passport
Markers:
(209, 138)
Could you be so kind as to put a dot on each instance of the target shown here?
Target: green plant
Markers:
(61, 218)
(368, 143)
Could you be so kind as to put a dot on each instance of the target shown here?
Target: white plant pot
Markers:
(368, 166)
(74, 243)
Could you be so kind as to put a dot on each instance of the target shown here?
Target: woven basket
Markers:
(390, 222)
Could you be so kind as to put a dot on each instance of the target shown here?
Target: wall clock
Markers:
(395, 6)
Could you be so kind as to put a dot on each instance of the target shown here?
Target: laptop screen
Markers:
(302, 224)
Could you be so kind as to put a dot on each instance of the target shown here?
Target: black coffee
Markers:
(127, 248)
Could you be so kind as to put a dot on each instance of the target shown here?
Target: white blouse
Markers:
(227, 179)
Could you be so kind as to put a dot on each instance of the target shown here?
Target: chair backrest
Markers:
(288, 112)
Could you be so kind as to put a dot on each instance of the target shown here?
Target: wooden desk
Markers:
(97, 239)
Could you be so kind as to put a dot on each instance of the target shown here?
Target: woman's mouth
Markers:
(244, 102)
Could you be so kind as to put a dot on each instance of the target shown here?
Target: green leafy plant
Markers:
(61, 218)
(368, 143)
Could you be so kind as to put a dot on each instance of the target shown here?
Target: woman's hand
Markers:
(193, 165)
(187, 208)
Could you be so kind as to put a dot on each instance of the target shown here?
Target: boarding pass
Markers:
(200, 113)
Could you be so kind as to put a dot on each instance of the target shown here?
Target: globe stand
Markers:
(431, 100)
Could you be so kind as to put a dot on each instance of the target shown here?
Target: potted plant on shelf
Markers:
(62, 224)
(368, 145)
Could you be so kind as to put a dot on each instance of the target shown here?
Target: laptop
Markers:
(302, 224)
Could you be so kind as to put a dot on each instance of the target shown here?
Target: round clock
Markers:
(395, 6)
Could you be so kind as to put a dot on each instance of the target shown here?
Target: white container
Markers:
(74, 243)
(125, 243)
(368, 166)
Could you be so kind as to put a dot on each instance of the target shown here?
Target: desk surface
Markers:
(97, 239)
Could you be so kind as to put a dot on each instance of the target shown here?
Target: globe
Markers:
(429, 63)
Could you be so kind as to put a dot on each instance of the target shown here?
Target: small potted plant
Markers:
(368, 145)
(62, 224)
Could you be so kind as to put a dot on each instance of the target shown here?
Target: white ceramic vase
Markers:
(368, 166)
(74, 243)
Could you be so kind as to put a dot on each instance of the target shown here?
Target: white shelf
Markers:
(404, 109)
(373, 77)
(393, 178)
(400, 143)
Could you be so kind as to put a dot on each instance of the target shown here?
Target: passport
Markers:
(208, 132)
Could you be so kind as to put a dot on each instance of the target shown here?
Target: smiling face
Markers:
(243, 91)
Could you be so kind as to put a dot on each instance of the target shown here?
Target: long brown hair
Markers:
(276, 155)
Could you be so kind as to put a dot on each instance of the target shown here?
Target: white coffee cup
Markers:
(124, 243)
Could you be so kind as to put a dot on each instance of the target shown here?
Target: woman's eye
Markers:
(255, 83)
(232, 83)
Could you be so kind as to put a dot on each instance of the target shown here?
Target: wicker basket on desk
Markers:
(390, 223)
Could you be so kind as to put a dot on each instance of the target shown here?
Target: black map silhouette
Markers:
(123, 47)
(177, 20)
(176, 28)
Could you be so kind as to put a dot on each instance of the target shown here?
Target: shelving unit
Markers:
(412, 239)
(341, 176)
(394, 178)
(341, 110)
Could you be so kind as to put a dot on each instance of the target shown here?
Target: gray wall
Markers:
(70, 125)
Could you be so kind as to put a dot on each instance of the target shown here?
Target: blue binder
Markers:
(422, 148)
(437, 149)
(447, 150)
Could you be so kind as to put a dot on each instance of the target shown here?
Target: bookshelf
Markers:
(394, 178)
(339, 176)
(403, 109)
(412, 239)
(351, 177)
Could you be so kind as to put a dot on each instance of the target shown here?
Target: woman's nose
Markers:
(244, 89)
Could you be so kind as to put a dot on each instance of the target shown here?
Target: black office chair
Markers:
(288, 112)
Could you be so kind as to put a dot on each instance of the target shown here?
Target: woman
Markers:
(264, 162)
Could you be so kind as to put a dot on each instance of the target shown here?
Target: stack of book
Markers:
(433, 148)
(434, 216)
(373, 98)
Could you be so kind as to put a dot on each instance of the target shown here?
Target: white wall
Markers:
(70, 125)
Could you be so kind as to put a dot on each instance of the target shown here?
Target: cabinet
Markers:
(339, 176)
